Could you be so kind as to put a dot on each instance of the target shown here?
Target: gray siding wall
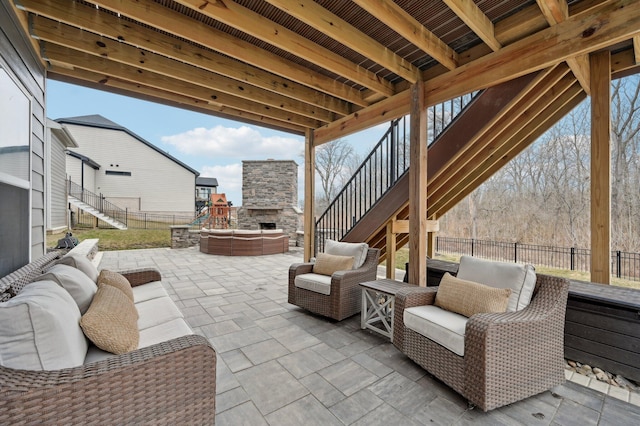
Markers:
(58, 212)
(16, 54)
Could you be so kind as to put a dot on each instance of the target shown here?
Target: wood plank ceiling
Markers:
(330, 66)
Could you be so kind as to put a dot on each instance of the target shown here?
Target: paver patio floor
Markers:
(280, 365)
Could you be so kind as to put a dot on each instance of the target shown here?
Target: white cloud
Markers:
(242, 143)
(229, 180)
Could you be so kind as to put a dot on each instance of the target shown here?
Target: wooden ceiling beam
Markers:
(256, 25)
(604, 25)
(475, 19)
(636, 49)
(152, 94)
(98, 46)
(555, 12)
(396, 18)
(316, 16)
(100, 65)
(137, 35)
(164, 19)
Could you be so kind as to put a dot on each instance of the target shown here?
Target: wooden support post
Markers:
(601, 167)
(391, 251)
(309, 195)
(418, 187)
(431, 241)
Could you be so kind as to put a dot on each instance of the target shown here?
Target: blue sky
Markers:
(213, 146)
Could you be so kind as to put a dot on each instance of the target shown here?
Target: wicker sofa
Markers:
(506, 357)
(169, 379)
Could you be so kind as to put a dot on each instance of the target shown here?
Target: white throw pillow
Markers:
(41, 329)
(81, 263)
(76, 282)
(357, 250)
(521, 279)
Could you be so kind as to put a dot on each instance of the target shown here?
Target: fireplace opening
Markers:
(267, 225)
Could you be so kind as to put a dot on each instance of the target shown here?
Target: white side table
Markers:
(378, 299)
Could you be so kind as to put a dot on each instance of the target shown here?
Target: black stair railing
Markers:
(387, 162)
(97, 201)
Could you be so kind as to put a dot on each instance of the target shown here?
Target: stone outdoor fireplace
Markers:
(270, 196)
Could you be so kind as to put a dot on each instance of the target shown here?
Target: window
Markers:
(116, 173)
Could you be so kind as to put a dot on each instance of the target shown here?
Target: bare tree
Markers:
(331, 165)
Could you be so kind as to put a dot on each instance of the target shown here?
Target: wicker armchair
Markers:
(508, 356)
(345, 298)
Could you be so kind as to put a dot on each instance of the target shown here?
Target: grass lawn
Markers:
(114, 239)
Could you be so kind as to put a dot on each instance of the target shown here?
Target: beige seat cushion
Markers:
(327, 264)
(82, 263)
(40, 329)
(151, 336)
(116, 280)
(468, 298)
(77, 283)
(314, 282)
(156, 311)
(357, 250)
(443, 327)
(111, 321)
(521, 279)
(152, 290)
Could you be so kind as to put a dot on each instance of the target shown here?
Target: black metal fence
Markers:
(134, 220)
(624, 265)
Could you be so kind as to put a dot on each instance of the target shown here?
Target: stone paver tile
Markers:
(356, 406)
(348, 377)
(580, 394)
(269, 308)
(616, 412)
(568, 374)
(225, 379)
(330, 354)
(244, 414)
(305, 411)
(619, 393)
(371, 364)
(599, 386)
(571, 413)
(214, 311)
(440, 411)
(210, 301)
(294, 338)
(199, 320)
(441, 389)
(243, 321)
(238, 339)
(272, 323)
(477, 417)
(264, 351)
(531, 411)
(403, 394)
(322, 390)
(580, 379)
(336, 338)
(396, 360)
(229, 399)
(236, 360)
(385, 415)
(270, 386)
(303, 363)
(357, 347)
(634, 398)
(189, 293)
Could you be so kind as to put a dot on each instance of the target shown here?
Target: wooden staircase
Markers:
(497, 126)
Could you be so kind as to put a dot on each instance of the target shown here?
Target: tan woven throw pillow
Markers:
(327, 264)
(111, 322)
(468, 298)
(116, 280)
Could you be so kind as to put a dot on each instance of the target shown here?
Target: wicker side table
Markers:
(378, 298)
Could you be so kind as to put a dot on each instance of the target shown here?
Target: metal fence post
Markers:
(515, 252)
(472, 246)
(618, 264)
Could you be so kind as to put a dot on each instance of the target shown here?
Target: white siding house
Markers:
(57, 141)
(132, 173)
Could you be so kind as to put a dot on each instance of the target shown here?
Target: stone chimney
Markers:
(270, 196)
